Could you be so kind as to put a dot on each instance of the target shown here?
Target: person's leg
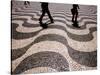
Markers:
(76, 15)
(76, 22)
(43, 13)
(49, 15)
(28, 2)
(25, 3)
(73, 17)
(43, 25)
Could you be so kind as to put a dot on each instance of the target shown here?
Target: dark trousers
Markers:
(74, 15)
(43, 14)
(26, 3)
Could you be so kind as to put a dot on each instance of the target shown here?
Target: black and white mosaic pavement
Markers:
(60, 47)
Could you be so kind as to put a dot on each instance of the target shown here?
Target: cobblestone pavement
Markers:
(60, 47)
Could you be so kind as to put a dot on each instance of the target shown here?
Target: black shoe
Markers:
(44, 25)
(77, 26)
(52, 21)
(40, 22)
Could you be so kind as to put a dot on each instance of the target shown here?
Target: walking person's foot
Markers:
(52, 21)
(43, 25)
(75, 24)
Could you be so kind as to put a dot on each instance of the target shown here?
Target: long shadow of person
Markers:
(45, 9)
(74, 12)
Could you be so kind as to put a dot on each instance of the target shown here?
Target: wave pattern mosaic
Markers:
(52, 43)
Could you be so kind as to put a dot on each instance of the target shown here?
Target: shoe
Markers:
(44, 25)
(52, 21)
(40, 22)
(76, 26)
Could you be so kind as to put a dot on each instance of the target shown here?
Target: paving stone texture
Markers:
(60, 47)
